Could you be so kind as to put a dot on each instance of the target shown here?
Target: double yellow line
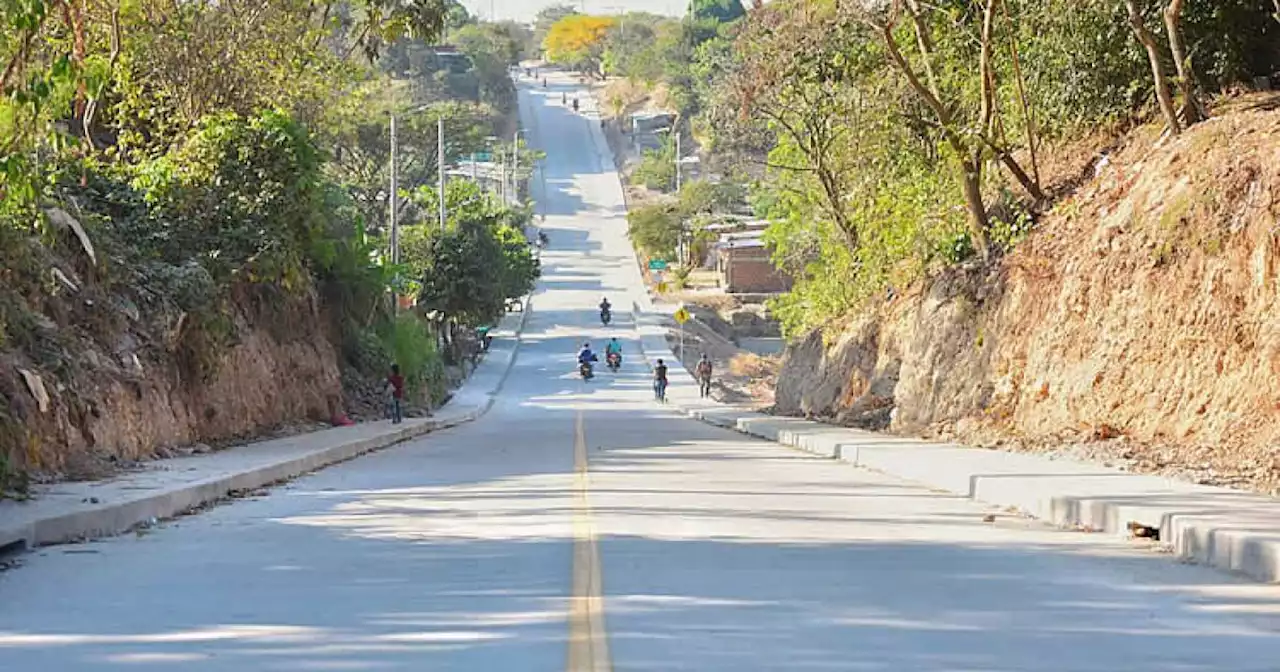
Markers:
(588, 638)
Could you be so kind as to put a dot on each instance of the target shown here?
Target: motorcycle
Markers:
(585, 370)
(614, 360)
(606, 316)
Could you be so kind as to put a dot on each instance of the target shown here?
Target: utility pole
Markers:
(440, 158)
(677, 133)
(515, 168)
(395, 225)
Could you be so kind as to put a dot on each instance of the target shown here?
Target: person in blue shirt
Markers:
(585, 358)
(614, 348)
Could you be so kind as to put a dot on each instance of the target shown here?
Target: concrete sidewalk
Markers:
(74, 511)
(1227, 529)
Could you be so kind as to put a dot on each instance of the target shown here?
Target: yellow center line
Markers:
(588, 639)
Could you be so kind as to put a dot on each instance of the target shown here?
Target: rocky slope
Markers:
(1137, 324)
(134, 399)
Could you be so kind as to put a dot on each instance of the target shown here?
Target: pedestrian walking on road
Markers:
(660, 381)
(395, 389)
(703, 371)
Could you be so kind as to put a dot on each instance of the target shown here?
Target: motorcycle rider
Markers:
(585, 357)
(575, 104)
(605, 306)
(614, 348)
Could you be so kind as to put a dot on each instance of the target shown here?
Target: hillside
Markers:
(1136, 325)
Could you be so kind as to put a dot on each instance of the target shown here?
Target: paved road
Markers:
(581, 527)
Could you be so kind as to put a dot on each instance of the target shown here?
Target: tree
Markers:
(632, 49)
(792, 81)
(1148, 41)
(492, 51)
(722, 11)
(545, 18)
(577, 41)
(481, 259)
(655, 228)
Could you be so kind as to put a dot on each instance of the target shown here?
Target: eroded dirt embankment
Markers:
(102, 405)
(1138, 325)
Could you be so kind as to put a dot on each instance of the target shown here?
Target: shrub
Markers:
(657, 169)
(409, 342)
(655, 229)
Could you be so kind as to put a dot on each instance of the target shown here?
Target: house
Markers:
(745, 264)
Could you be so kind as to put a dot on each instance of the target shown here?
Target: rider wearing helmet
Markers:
(612, 349)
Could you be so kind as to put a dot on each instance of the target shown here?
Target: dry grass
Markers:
(720, 303)
(753, 366)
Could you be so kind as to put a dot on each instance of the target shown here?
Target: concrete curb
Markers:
(1230, 530)
(93, 519)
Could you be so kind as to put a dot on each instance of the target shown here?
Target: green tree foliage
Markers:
(719, 11)
(189, 166)
(880, 125)
(492, 51)
(657, 168)
(408, 341)
(468, 271)
(636, 46)
(241, 195)
(655, 228)
(542, 22)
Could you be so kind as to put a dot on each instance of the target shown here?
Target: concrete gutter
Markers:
(70, 512)
(1231, 530)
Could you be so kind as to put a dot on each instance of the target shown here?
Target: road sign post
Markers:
(682, 315)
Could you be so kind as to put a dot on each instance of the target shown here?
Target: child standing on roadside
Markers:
(395, 386)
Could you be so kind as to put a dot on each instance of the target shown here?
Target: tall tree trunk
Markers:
(1027, 117)
(1191, 111)
(971, 174)
(988, 84)
(1030, 185)
(970, 167)
(1157, 69)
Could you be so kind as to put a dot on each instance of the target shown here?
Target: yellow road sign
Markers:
(682, 315)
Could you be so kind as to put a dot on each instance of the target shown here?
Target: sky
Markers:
(525, 10)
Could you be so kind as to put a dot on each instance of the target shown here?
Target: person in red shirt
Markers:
(395, 385)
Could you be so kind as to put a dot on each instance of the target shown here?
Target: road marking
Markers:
(588, 639)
